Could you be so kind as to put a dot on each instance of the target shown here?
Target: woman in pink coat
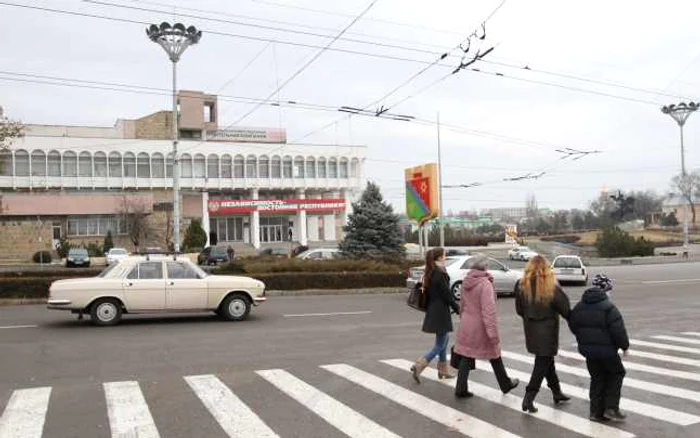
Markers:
(477, 335)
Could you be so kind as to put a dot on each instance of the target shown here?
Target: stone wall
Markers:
(21, 238)
(157, 126)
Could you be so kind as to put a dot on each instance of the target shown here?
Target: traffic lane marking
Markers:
(11, 327)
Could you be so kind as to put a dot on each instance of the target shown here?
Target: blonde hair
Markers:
(538, 283)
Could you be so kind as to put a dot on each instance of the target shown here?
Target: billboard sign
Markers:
(222, 207)
(511, 232)
(248, 135)
(422, 195)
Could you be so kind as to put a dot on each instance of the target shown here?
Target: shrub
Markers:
(42, 257)
(63, 247)
(108, 243)
(51, 272)
(31, 287)
(613, 242)
(568, 239)
(260, 266)
(94, 249)
(195, 237)
(331, 280)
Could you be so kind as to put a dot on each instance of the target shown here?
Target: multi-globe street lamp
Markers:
(174, 40)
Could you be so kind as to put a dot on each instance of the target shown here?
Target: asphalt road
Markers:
(75, 373)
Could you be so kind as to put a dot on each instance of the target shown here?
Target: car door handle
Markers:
(128, 283)
(171, 283)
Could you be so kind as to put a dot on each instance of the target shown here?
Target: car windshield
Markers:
(78, 252)
(118, 252)
(218, 250)
(567, 262)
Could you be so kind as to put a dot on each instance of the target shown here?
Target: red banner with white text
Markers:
(222, 207)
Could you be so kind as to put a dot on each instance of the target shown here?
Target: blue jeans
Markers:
(440, 348)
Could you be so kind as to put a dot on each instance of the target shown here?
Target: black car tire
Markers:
(457, 290)
(106, 312)
(235, 307)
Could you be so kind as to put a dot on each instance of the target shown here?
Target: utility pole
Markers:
(440, 217)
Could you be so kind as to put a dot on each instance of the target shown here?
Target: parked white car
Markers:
(156, 284)
(115, 255)
(522, 253)
(457, 268)
(319, 254)
(570, 268)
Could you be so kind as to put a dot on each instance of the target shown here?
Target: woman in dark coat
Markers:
(539, 300)
(438, 317)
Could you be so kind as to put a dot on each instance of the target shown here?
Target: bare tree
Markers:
(135, 214)
(688, 188)
(9, 131)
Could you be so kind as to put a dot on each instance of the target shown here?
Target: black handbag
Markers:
(416, 298)
(456, 359)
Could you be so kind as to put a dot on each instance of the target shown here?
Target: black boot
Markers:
(513, 384)
(528, 405)
(558, 396)
(462, 385)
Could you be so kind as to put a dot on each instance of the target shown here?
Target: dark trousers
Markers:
(606, 383)
(466, 364)
(544, 368)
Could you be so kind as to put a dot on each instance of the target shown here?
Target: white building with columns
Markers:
(247, 185)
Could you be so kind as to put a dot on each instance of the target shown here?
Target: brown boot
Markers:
(418, 368)
(444, 371)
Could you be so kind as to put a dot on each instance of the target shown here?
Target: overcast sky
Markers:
(647, 50)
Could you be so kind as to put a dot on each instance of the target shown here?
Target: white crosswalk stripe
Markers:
(677, 339)
(648, 410)
(664, 357)
(334, 412)
(449, 417)
(234, 416)
(550, 415)
(657, 388)
(691, 333)
(128, 412)
(25, 413)
(661, 346)
(641, 367)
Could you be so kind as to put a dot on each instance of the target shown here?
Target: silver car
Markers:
(457, 268)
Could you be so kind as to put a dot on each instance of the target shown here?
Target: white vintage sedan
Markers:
(155, 285)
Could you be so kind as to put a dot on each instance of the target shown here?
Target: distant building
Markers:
(676, 205)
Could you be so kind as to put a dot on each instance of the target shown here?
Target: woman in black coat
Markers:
(539, 300)
(438, 317)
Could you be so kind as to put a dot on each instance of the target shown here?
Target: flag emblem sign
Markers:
(422, 200)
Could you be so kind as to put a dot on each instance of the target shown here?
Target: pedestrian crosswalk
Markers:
(661, 394)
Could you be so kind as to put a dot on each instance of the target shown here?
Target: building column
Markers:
(301, 220)
(347, 196)
(205, 216)
(329, 221)
(255, 222)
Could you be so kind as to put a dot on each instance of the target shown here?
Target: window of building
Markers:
(84, 164)
(158, 165)
(287, 167)
(22, 163)
(169, 166)
(276, 167)
(264, 167)
(70, 164)
(343, 168)
(143, 165)
(238, 166)
(38, 163)
(310, 167)
(354, 168)
(191, 134)
(115, 165)
(5, 163)
(321, 167)
(273, 229)
(226, 166)
(213, 166)
(299, 167)
(251, 167)
(227, 229)
(129, 165)
(96, 225)
(101, 164)
(332, 168)
(200, 166)
(186, 166)
(209, 112)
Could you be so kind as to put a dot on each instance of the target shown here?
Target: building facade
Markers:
(248, 187)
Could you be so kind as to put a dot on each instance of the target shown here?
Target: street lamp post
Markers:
(174, 40)
(680, 114)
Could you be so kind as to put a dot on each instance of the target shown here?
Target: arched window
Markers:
(84, 164)
(129, 165)
(158, 165)
(322, 167)
(5, 163)
(298, 167)
(354, 168)
(264, 167)
(200, 166)
(343, 168)
(310, 167)
(186, 165)
(251, 167)
(213, 166)
(332, 168)
(226, 166)
(100, 164)
(70, 164)
(238, 166)
(54, 163)
(38, 163)
(276, 167)
(287, 167)
(115, 165)
(143, 168)
(169, 166)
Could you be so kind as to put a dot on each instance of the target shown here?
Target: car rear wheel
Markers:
(457, 290)
(235, 307)
(106, 312)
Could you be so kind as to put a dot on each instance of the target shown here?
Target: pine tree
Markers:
(195, 237)
(373, 228)
(109, 242)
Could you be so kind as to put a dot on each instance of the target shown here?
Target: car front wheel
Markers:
(235, 308)
(457, 290)
(105, 312)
